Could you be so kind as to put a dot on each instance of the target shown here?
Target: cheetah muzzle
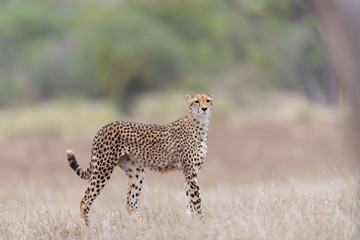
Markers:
(134, 147)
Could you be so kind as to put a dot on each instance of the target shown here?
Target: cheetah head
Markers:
(200, 105)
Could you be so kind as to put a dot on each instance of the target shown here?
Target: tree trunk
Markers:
(340, 21)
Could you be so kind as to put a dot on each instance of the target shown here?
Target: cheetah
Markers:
(134, 147)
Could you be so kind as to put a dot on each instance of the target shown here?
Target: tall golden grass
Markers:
(317, 210)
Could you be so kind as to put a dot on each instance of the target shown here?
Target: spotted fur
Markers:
(134, 147)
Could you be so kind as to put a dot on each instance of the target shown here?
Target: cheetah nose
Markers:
(204, 108)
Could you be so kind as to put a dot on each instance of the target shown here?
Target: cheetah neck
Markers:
(200, 122)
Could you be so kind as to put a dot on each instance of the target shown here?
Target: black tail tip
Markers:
(69, 152)
(70, 155)
(71, 158)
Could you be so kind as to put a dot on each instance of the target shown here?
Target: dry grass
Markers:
(318, 210)
(56, 119)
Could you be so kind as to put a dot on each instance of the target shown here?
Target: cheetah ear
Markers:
(187, 97)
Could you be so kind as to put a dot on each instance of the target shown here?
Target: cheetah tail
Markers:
(75, 166)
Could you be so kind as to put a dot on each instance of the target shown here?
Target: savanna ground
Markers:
(285, 177)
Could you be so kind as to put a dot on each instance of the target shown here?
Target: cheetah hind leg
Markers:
(96, 184)
(135, 174)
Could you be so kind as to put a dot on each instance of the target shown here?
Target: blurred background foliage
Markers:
(123, 49)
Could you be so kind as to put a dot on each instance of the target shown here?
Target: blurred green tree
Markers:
(129, 53)
(121, 49)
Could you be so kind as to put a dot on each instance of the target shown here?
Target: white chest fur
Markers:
(201, 149)
(200, 156)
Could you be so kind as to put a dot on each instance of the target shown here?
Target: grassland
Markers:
(278, 178)
(319, 210)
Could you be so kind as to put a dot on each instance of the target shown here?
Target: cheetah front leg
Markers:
(135, 174)
(192, 192)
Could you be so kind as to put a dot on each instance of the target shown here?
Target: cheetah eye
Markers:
(196, 101)
(208, 100)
